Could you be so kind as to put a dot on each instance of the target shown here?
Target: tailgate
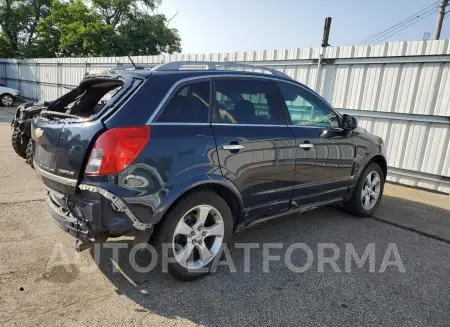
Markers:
(60, 150)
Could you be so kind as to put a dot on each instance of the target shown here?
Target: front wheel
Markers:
(368, 192)
(193, 233)
(7, 100)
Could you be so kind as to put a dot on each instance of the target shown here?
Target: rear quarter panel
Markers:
(177, 158)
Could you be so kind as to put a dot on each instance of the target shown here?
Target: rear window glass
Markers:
(190, 104)
(93, 96)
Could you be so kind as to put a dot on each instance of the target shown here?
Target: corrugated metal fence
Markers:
(399, 90)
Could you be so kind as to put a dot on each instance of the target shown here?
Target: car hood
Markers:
(361, 130)
(4, 89)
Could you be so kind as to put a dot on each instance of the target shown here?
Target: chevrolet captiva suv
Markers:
(187, 153)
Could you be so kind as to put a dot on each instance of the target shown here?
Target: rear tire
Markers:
(19, 143)
(367, 193)
(30, 153)
(189, 210)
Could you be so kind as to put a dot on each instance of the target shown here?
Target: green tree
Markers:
(49, 28)
(146, 35)
(137, 32)
(72, 29)
(18, 22)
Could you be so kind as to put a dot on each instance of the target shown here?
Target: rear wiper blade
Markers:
(57, 113)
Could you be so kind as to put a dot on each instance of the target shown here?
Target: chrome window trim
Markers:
(248, 125)
(231, 124)
(206, 76)
(216, 124)
(53, 177)
(307, 126)
(179, 124)
(327, 128)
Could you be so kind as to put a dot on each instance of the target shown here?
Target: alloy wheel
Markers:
(198, 237)
(7, 100)
(371, 190)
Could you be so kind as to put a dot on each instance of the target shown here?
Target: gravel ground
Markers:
(72, 290)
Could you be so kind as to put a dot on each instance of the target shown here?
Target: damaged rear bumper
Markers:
(68, 223)
(118, 203)
(91, 212)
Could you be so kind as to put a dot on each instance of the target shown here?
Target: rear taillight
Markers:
(116, 149)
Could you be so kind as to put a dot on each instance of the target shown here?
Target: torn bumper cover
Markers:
(92, 213)
(118, 203)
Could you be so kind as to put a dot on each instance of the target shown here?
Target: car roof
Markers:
(182, 74)
(195, 72)
(187, 68)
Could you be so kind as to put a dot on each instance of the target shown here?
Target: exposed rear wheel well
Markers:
(221, 191)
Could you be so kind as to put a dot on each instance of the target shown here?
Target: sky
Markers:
(240, 25)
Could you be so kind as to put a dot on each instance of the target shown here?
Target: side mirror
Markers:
(349, 122)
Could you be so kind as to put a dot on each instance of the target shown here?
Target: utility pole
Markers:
(440, 19)
(326, 32)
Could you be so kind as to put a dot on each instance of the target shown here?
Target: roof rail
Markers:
(215, 65)
(132, 67)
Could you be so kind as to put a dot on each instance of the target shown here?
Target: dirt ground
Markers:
(44, 282)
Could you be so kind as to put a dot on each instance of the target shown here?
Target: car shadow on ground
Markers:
(7, 114)
(284, 297)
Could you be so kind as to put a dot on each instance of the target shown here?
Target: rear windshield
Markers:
(93, 96)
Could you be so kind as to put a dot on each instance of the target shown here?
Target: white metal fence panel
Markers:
(399, 91)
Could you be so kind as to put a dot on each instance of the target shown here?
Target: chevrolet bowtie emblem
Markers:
(38, 132)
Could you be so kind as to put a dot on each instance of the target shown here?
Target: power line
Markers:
(398, 24)
(398, 28)
(398, 31)
(402, 23)
(374, 38)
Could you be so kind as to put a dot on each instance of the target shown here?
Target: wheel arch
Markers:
(6, 93)
(381, 161)
(222, 187)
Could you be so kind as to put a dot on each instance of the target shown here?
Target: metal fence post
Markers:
(36, 78)
(18, 77)
(58, 79)
(5, 76)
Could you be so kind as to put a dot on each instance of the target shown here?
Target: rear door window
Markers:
(245, 101)
(190, 104)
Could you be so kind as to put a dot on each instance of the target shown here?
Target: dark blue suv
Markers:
(187, 153)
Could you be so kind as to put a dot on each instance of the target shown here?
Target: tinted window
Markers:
(190, 104)
(307, 109)
(245, 101)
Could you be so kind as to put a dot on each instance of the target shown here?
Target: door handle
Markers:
(233, 147)
(306, 145)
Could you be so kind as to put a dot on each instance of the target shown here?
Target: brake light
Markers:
(116, 149)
